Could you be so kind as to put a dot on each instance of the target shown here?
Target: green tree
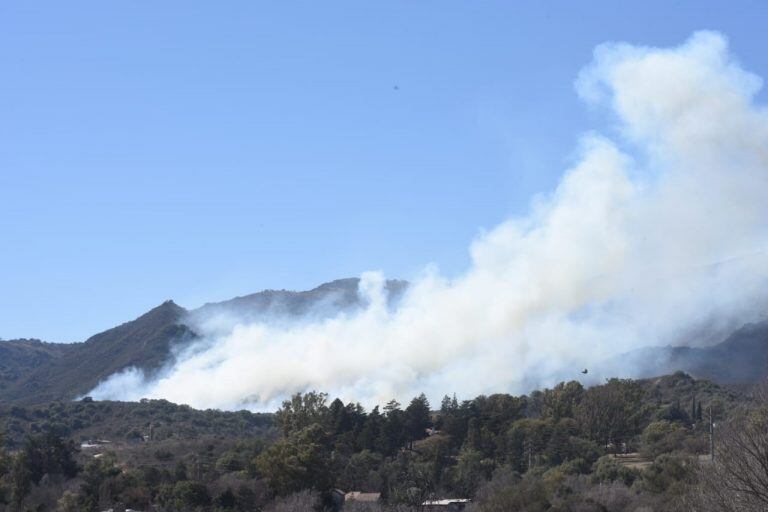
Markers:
(693, 407)
(21, 480)
(345, 425)
(229, 461)
(526, 442)
(413, 483)
(472, 469)
(666, 471)
(225, 500)
(613, 412)
(449, 404)
(393, 432)
(661, 437)
(190, 495)
(356, 476)
(606, 469)
(565, 444)
(562, 400)
(496, 412)
(68, 502)
(297, 462)
(474, 435)
(4, 462)
(453, 420)
(507, 491)
(417, 418)
(180, 471)
(338, 418)
(301, 411)
(369, 434)
(50, 454)
(97, 476)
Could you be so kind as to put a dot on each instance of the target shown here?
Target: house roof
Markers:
(362, 496)
(447, 501)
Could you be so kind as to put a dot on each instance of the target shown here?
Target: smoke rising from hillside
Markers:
(647, 238)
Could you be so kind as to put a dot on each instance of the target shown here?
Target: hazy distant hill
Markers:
(327, 299)
(35, 372)
(742, 357)
(19, 358)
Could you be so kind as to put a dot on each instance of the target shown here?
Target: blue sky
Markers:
(201, 150)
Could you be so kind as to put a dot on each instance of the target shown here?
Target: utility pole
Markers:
(711, 436)
(527, 450)
(693, 408)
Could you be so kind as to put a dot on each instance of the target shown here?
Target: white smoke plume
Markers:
(647, 238)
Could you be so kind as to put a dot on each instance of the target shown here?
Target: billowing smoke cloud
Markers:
(647, 238)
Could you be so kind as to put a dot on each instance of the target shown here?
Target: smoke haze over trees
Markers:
(651, 236)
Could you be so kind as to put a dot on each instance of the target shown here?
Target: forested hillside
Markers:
(128, 422)
(619, 446)
(741, 357)
(64, 371)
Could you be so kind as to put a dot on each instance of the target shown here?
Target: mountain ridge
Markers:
(740, 358)
(33, 371)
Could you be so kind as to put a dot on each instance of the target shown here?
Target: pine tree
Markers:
(445, 405)
(371, 431)
(417, 418)
(338, 417)
(393, 433)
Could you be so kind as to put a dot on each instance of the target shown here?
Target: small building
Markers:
(364, 497)
(446, 505)
(93, 444)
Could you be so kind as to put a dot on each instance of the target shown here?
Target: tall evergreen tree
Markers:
(417, 418)
(339, 422)
(367, 440)
(393, 433)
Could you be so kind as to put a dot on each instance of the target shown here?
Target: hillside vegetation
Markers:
(128, 422)
(34, 372)
(619, 446)
(40, 372)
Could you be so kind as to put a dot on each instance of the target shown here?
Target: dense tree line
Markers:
(127, 421)
(549, 450)
(566, 432)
